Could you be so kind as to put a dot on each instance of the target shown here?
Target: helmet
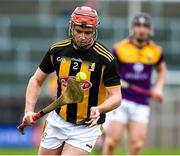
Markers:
(86, 17)
(144, 19)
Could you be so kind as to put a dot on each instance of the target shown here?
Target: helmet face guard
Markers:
(84, 17)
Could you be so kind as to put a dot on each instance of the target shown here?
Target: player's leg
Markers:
(50, 143)
(81, 139)
(137, 132)
(69, 150)
(99, 142)
(113, 137)
(53, 138)
(44, 151)
(137, 128)
(114, 128)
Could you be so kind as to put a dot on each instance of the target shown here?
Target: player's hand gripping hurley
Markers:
(72, 94)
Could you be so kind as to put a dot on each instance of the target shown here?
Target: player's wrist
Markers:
(28, 109)
(159, 86)
(158, 90)
(28, 112)
(100, 110)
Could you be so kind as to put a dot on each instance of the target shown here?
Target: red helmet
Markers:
(85, 16)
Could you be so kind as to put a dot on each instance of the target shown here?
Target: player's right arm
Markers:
(32, 94)
(34, 87)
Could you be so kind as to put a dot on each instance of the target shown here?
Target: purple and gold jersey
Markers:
(136, 65)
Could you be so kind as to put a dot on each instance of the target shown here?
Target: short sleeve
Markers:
(111, 75)
(161, 59)
(46, 63)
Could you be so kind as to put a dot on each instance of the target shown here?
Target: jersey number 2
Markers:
(75, 66)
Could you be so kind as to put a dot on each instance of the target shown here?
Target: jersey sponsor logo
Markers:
(138, 73)
(77, 60)
(61, 59)
(85, 85)
(136, 76)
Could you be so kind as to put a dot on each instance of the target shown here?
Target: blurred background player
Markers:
(63, 133)
(137, 55)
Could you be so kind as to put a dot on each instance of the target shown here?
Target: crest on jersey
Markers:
(138, 67)
(85, 85)
(92, 67)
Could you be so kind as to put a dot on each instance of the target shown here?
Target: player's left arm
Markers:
(112, 102)
(161, 74)
(111, 80)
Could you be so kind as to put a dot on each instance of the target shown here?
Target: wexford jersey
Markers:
(100, 67)
(136, 65)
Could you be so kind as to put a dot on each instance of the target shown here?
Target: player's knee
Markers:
(111, 142)
(137, 144)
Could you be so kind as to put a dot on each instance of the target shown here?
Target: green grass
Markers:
(18, 151)
(148, 151)
(161, 151)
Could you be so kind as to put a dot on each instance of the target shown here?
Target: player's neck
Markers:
(139, 43)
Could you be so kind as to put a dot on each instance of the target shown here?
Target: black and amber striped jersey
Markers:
(100, 67)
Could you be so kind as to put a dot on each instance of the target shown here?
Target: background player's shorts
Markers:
(58, 131)
(129, 110)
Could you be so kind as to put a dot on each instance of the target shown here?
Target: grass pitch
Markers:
(148, 151)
